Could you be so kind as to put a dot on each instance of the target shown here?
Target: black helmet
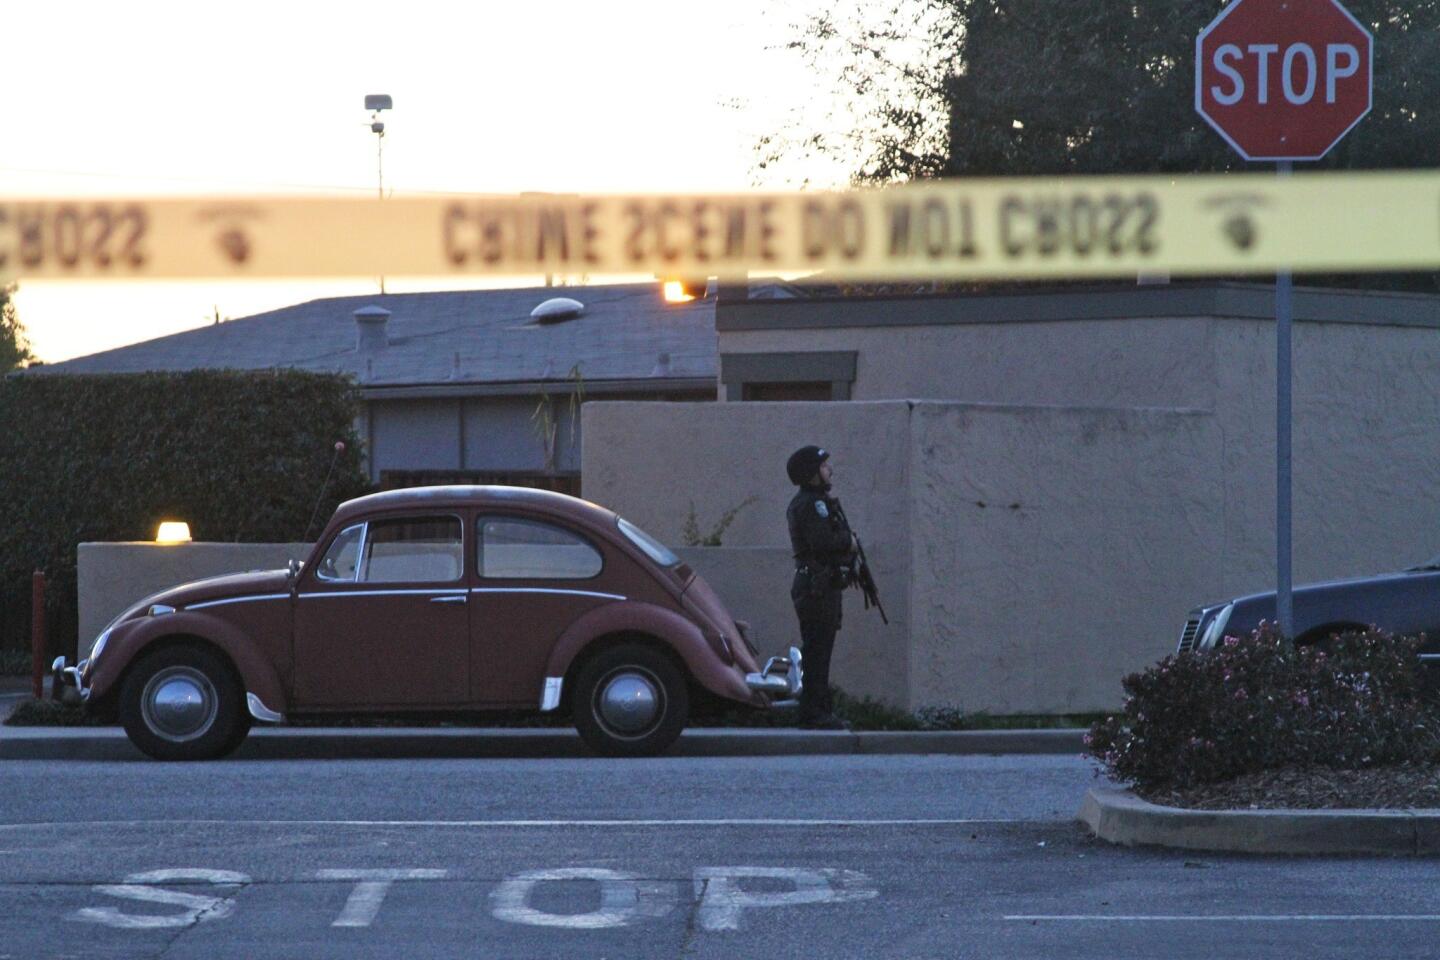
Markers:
(803, 463)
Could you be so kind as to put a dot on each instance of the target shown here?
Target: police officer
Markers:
(823, 546)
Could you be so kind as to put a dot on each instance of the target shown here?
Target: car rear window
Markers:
(532, 550)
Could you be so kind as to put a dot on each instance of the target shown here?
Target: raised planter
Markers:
(1121, 817)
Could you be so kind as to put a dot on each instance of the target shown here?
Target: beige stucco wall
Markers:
(112, 576)
(1366, 449)
(651, 461)
(1055, 549)
(1131, 363)
(1096, 534)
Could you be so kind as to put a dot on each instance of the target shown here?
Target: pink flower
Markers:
(1241, 694)
(1232, 641)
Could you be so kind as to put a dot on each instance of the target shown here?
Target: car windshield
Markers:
(653, 548)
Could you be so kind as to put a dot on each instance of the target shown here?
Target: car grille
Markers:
(1187, 636)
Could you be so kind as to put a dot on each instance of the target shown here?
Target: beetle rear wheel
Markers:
(630, 701)
(183, 703)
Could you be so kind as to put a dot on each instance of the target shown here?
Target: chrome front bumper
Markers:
(66, 684)
(782, 677)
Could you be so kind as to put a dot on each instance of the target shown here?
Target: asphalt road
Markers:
(816, 857)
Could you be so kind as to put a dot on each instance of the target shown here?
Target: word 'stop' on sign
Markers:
(1283, 79)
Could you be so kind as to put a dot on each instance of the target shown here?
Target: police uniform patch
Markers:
(821, 509)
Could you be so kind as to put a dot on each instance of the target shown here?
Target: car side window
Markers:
(412, 550)
(531, 550)
(340, 561)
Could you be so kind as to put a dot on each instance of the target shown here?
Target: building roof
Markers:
(627, 332)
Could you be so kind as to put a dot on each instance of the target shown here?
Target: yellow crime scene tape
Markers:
(949, 230)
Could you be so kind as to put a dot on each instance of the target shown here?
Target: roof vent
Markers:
(557, 310)
(370, 328)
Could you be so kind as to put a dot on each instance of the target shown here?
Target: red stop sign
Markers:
(1283, 79)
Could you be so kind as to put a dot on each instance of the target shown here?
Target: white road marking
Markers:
(370, 889)
(110, 824)
(722, 899)
(1229, 918)
(623, 899)
(137, 887)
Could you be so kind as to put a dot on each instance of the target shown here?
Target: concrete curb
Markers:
(1121, 817)
(327, 743)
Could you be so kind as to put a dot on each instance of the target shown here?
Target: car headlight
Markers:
(1216, 631)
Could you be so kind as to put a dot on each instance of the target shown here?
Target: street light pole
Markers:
(380, 158)
(376, 102)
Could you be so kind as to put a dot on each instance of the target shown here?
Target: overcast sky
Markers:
(264, 97)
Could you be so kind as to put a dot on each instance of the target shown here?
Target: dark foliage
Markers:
(1102, 87)
(967, 88)
(947, 88)
(14, 347)
(240, 456)
(1260, 703)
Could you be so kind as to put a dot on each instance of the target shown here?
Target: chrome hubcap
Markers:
(179, 704)
(630, 701)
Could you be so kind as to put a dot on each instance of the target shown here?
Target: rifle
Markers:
(858, 571)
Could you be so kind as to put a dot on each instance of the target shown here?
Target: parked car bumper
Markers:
(781, 679)
(67, 683)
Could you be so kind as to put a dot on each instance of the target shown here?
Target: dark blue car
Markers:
(1404, 604)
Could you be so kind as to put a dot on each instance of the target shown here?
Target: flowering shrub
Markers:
(1259, 702)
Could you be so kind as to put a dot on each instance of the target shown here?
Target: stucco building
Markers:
(1047, 482)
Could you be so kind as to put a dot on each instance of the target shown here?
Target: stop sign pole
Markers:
(1283, 80)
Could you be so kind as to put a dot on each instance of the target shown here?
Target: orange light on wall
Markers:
(675, 292)
(173, 531)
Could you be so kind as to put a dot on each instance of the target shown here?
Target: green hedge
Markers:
(241, 456)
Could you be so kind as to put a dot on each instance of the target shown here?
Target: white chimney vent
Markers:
(370, 323)
(557, 310)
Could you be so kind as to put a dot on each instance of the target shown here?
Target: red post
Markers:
(37, 632)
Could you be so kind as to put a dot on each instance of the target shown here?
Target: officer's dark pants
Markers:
(819, 622)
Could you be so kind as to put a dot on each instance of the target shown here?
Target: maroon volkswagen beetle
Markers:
(464, 598)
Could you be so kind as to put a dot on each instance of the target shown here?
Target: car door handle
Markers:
(454, 598)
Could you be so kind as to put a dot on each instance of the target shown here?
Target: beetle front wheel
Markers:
(630, 701)
(183, 703)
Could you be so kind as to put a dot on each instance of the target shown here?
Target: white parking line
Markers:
(1227, 918)
(519, 823)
